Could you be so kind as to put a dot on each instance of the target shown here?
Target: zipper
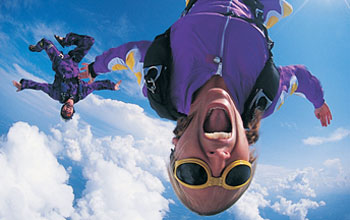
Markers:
(219, 70)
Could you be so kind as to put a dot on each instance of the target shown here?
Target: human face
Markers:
(214, 135)
(68, 109)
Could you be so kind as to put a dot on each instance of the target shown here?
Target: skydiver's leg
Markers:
(51, 50)
(83, 43)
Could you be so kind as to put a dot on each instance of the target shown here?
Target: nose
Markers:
(217, 160)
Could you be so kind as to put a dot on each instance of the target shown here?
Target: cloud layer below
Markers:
(124, 174)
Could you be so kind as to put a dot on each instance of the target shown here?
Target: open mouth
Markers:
(217, 124)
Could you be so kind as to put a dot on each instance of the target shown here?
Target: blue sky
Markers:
(109, 161)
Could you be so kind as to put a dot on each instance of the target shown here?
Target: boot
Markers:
(38, 47)
(60, 40)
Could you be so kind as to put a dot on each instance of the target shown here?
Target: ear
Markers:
(175, 140)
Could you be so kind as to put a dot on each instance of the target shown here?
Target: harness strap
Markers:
(188, 7)
(256, 7)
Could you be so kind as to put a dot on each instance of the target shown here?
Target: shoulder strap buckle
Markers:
(259, 14)
(260, 101)
(152, 73)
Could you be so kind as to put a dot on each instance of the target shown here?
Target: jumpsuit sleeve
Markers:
(45, 87)
(296, 79)
(308, 85)
(128, 57)
(97, 85)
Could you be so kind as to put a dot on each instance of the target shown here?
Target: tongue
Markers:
(217, 121)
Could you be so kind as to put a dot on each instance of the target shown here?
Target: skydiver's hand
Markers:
(324, 114)
(116, 87)
(86, 74)
(17, 85)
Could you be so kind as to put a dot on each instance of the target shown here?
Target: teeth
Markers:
(218, 135)
(211, 109)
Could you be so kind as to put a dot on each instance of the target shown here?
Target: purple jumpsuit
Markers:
(206, 35)
(66, 84)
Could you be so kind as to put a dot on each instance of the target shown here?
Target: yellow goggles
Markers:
(195, 174)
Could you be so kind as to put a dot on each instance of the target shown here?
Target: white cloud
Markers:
(309, 181)
(247, 207)
(41, 30)
(289, 125)
(113, 192)
(128, 118)
(35, 103)
(337, 135)
(298, 182)
(273, 182)
(30, 176)
(333, 176)
(123, 173)
(295, 211)
(122, 26)
(17, 4)
(347, 4)
(24, 74)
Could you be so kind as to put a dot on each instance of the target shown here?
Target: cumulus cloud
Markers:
(337, 135)
(298, 182)
(30, 176)
(247, 207)
(127, 118)
(124, 173)
(295, 211)
(272, 184)
(331, 175)
(124, 180)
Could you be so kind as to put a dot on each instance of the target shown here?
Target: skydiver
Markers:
(67, 88)
(218, 51)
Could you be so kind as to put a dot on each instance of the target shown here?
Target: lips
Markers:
(217, 124)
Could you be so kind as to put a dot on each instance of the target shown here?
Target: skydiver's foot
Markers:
(34, 48)
(59, 40)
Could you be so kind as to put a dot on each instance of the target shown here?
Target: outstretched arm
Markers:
(300, 81)
(128, 56)
(104, 85)
(30, 84)
(99, 85)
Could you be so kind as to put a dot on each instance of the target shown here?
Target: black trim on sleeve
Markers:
(91, 70)
(21, 82)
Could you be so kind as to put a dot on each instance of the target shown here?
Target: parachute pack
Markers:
(158, 66)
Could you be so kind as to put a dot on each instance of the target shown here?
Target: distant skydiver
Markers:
(67, 88)
(213, 72)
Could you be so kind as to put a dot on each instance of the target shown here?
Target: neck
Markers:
(213, 82)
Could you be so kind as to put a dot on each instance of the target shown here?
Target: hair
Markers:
(64, 116)
(252, 134)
